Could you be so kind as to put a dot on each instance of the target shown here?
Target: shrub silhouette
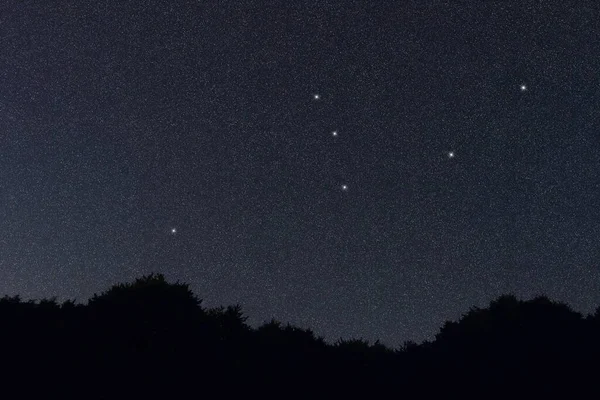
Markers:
(153, 339)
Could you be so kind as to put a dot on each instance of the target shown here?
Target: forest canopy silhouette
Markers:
(151, 338)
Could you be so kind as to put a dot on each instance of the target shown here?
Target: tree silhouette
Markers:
(153, 339)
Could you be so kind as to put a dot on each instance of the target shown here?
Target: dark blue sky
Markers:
(123, 120)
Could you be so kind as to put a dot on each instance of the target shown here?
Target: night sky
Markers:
(362, 168)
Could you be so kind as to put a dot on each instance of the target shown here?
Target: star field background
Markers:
(123, 120)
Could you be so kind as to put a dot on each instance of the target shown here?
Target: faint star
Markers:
(334, 133)
(451, 154)
(316, 97)
(523, 88)
(173, 231)
(344, 187)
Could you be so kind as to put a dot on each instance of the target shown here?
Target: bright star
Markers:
(523, 88)
(334, 133)
(173, 230)
(316, 97)
(451, 154)
(344, 187)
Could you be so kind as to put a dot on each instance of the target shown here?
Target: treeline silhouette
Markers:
(153, 339)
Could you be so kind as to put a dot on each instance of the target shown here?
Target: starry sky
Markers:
(362, 168)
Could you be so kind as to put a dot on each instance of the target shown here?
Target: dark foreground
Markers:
(153, 339)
